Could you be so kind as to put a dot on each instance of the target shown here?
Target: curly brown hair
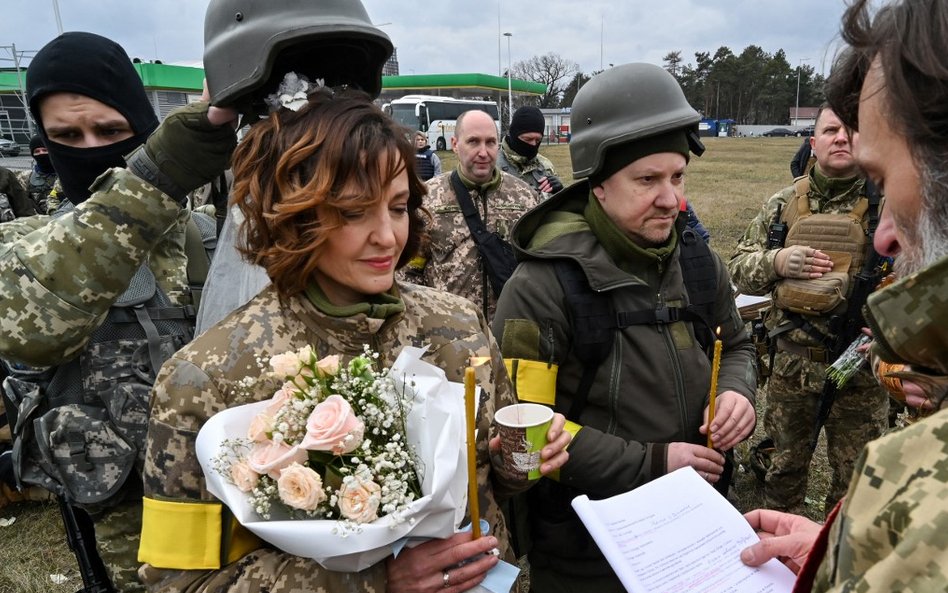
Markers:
(291, 173)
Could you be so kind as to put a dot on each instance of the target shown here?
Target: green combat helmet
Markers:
(628, 102)
(250, 45)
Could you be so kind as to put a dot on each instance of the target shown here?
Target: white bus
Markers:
(436, 116)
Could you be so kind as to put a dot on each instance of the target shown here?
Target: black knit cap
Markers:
(90, 65)
(526, 119)
(617, 157)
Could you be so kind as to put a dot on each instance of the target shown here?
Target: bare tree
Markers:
(550, 69)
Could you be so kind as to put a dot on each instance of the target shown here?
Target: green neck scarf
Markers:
(623, 251)
(831, 187)
(378, 306)
(482, 188)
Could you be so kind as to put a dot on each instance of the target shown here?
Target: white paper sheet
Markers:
(677, 534)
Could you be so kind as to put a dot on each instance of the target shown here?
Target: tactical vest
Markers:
(79, 427)
(842, 236)
(424, 165)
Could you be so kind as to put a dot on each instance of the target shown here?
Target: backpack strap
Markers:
(198, 260)
(593, 325)
(594, 321)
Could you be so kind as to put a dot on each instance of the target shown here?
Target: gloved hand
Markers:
(185, 152)
(800, 261)
(555, 184)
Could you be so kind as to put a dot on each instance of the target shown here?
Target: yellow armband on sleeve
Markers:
(533, 381)
(192, 535)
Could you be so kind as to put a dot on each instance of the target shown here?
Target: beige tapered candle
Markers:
(470, 405)
(715, 367)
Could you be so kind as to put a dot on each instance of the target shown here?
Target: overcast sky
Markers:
(438, 36)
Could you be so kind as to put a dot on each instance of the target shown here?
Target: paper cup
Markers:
(522, 429)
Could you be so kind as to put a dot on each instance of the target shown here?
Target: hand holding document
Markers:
(677, 534)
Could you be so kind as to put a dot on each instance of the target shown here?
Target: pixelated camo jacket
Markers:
(206, 377)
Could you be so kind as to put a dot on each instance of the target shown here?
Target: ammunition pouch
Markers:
(817, 296)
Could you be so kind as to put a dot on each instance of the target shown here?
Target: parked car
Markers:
(779, 132)
(9, 147)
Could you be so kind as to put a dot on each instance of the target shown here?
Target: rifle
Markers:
(94, 577)
(846, 328)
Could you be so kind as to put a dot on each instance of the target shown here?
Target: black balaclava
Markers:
(43, 164)
(525, 119)
(98, 68)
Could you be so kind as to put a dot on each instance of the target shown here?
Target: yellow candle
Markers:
(470, 406)
(715, 367)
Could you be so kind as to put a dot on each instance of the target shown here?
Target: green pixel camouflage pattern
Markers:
(221, 369)
(793, 391)
(452, 261)
(39, 186)
(859, 415)
(59, 276)
(521, 167)
(892, 532)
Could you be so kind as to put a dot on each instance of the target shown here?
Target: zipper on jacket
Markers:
(614, 382)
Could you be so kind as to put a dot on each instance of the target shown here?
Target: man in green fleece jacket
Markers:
(646, 410)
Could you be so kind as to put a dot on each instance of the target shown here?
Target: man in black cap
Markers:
(519, 152)
(41, 179)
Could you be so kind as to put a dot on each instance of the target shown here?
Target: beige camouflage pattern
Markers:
(209, 375)
(452, 261)
(59, 276)
(891, 532)
(861, 410)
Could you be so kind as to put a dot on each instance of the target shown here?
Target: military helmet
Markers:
(624, 103)
(250, 44)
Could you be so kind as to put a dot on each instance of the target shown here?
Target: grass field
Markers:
(726, 186)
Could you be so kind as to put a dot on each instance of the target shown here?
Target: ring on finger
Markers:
(445, 579)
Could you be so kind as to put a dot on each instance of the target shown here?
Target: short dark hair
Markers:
(296, 164)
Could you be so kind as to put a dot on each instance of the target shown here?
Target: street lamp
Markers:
(509, 83)
(796, 112)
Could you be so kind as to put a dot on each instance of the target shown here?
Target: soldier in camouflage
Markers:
(60, 275)
(348, 300)
(450, 260)
(39, 180)
(520, 155)
(887, 533)
(860, 411)
(14, 201)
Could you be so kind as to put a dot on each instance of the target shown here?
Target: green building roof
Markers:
(188, 78)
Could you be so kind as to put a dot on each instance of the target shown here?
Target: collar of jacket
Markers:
(514, 157)
(558, 228)
(908, 319)
(835, 189)
(379, 306)
(628, 256)
(482, 188)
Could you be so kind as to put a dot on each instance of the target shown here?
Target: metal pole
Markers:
(509, 82)
(796, 112)
(19, 83)
(59, 20)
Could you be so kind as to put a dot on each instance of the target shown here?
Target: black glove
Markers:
(185, 152)
(555, 183)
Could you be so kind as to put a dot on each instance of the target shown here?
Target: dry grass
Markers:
(726, 186)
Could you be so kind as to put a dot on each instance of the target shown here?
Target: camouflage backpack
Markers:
(79, 427)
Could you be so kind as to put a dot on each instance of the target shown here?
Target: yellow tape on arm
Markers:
(181, 535)
(533, 381)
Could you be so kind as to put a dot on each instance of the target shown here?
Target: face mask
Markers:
(79, 167)
(525, 150)
(43, 164)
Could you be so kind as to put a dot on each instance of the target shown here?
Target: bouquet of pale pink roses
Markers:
(367, 455)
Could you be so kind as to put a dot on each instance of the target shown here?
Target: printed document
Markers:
(677, 534)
